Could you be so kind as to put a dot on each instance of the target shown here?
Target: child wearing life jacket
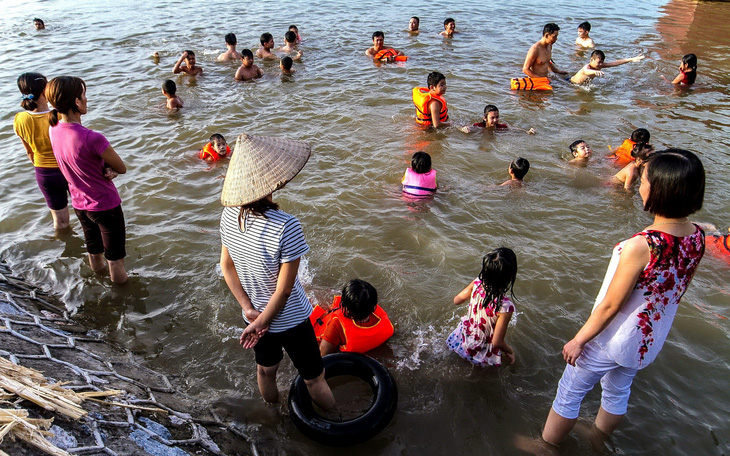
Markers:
(431, 109)
(517, 170)
(354, 323)
(581, 152)
(687, 71)
(420, 179)
(216, 149)
(631, 172)
(480, 336)
(622, 154)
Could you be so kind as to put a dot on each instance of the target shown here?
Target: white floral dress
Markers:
(472, 339)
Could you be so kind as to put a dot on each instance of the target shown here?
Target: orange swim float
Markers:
(530, 84)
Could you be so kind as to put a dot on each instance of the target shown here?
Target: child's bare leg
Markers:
(117, 272)
(557, 428)
(607, 422)
(320, 392)
(60, 218)
(97, 261)
(266, 378)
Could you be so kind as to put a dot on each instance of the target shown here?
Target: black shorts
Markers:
(104, 232)
(300, 344)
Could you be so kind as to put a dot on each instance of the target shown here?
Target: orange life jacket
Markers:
(358, 339)
(719, 246)
(622, 154)
(208, 152)
(530, 84)
(389, 52)
(422, 98)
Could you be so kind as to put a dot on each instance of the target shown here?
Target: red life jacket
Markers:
(389, 52)
(208, 152)
(419, 184)
(358, 339)
(421, 99)
(718, 246)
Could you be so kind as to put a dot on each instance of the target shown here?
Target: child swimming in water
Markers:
(631, 172)
(449, 28)
(581, 152)
(295, 29)
(189, 68)
(285, 65)
(354, 323)
(597, 63)
(517, 170)
(216, 149)
(583, 39)
(480, 335)
(490, 121)
(247, 70)
(431, 109)
(622, 154)
(687, 71)
(420, 178)
(169, 89)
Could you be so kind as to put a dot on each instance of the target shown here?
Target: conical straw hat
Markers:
(261, 165)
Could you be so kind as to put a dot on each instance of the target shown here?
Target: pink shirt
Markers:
(78, 152)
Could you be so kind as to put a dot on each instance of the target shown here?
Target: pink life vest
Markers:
(419, 184)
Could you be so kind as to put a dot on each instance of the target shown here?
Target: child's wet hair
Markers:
(598, 53)
(498, 274)
(217, 137)
(421, 162)
(31, 85)
(574, 146)
(585, 26)
(231, 39)
(641, 151)
(190, 53)
(434, 78)
(448, 21)
(490, 108)
(266, 37)
(62, 93)
(641, 135)
(359, 299)
(550, 28)
(246, 53)
(290, 37)
(691, 61)
(519, 167)
(676, 183)
(378, 34)
(287, 62)
(294, 28)
(169, 87)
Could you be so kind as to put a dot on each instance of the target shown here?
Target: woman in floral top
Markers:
(480, 336)
(646, 278)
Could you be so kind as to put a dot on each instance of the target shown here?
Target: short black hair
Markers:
(417, 19)
(231, 39)
(550, 28)
(215, 136)
(450, 19)
(585, 26)
(377, 34)
(293, 27)
(190, 53)
(169, 87)
(246, 53)
(599, 54)
(434, 78)
(290, 37)
(490, 108)
(641, 135)
(641, 151)
(421, 162)
(37, 19)
(574, 146)
(266, 37)
(676, 183)
(286, 62)
(519, 167)
(359, 299)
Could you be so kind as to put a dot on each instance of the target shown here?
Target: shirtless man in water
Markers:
(378, 40)
(538, 61)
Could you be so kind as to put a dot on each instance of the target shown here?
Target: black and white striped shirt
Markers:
(257, 254)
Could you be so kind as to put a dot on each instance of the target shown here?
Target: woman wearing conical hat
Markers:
(261, 249)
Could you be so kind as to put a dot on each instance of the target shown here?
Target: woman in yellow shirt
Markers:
(32, 126)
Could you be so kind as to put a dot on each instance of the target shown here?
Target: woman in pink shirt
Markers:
(89, 163)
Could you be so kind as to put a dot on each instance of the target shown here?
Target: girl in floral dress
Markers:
(634, 310)
(480, 336)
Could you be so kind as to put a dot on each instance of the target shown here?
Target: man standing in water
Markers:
(539, 58)
(379, 51)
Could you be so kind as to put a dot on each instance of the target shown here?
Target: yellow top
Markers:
(33, 129)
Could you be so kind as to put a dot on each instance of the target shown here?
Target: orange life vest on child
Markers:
(422, 98)
(389, 52)
(358, 339)
(530, 84)
(208, 152)
(622, 154)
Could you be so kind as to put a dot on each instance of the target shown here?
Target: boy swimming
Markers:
(431, 109)
(267, 44)
(169, 88)
(290, 43)
(231, 53)
(189, 67)
(449, 28)
(517, 170)
(247, 70)
(583, 39)
(581, 152)
(491, 122)
(597, 63)
(413, 25)
(285, 65)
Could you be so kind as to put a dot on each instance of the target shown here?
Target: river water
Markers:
(177, 312)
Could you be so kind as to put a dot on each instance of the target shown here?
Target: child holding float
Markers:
(354, 323)
(480, 336)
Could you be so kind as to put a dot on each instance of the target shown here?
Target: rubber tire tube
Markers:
(357, 430)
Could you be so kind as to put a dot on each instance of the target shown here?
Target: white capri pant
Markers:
(593, 365)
